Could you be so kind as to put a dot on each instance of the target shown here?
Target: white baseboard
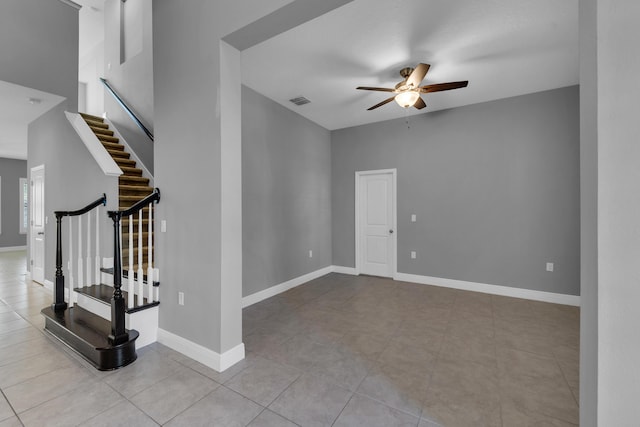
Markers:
(283, 287)
(344, 270)
(13, 248)
(48, 284)
(491, 289)
(207, 357)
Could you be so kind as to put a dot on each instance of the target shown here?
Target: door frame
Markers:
(394, 220)
(30, 228)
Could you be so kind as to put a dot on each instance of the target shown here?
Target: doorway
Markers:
(376, 222)
(37, 224)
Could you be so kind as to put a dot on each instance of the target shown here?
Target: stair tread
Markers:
(125, 162)
(136, 188)
(134, 178)
(118, 153)
(112, 145)
(101, 131)
(131, 170)
(88, 334)
(107, 138)
(93, 124)
(92, 117)
(103, 293)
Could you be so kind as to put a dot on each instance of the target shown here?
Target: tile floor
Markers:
(340, 350)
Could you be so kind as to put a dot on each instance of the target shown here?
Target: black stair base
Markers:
(87, 334)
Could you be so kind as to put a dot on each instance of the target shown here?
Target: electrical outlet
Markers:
(413, 254)
(549, 266)
(310, 253)
(413, 217)
(163, 226)
(180, 298)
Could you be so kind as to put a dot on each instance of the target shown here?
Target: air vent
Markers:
(301, 100)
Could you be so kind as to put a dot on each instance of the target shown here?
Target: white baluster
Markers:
(156, 291)
(97, 260)
(140, 260)
(70, 263)
(131, 290)
(89, 260)
(150, 255)
(80, 260)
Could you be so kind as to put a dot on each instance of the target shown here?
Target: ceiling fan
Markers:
(407, 92)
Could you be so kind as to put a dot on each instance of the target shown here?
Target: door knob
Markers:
(40, 233)
(390, 231)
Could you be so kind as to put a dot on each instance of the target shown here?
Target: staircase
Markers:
(132, 186)
(109, 305)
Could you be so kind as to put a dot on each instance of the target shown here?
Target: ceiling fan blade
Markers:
(379, 89)
(416, 77)
(420, 104)
(443, 86)
(386, 101)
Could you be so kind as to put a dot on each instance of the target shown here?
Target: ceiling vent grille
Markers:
(301, 100)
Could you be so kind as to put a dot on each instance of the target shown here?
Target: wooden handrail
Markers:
(126, 108)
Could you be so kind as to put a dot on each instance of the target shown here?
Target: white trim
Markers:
(24, 228)
(394, 236)
(207, 357)
(93, 144)
(491, 289)
(344, 270)
(13, 248)
(283, 287)
(71, 3)
(48, 284)
(132, 153)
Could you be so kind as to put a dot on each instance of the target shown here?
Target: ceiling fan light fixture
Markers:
(407, 99)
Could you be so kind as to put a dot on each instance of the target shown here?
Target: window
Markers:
(24, 205)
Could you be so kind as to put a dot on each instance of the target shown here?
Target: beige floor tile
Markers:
(271, 419)
(172, 395)
(35, 391)
(397, 388)
(311, 401)
(74, 407)
(222, 407)
(121, 415)
(263, 381)
(362, 411)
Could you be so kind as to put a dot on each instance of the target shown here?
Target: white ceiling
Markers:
(16, 112)
(503, 47)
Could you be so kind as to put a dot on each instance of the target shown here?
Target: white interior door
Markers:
(377, 242)
(37, 224)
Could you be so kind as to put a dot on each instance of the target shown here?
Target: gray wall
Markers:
(68, 165)
(39, 45)
(495, 187)
(133, 79)
(588, 215)
(286, 186)
(11, 170)
(618, 177)
(187, 162)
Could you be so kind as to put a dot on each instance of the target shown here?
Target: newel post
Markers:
(118, 333)
(58, 295)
